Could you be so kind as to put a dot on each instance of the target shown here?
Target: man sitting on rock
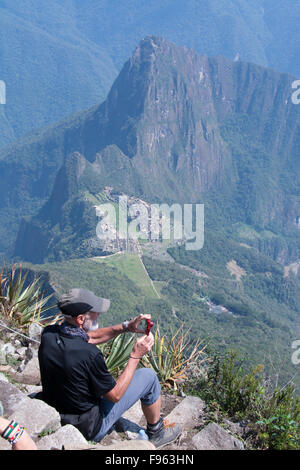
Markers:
(75, 378)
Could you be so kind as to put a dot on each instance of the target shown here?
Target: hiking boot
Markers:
(163, 433)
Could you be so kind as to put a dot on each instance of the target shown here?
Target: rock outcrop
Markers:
(214, 437)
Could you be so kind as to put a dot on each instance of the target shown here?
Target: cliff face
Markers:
(177, 127)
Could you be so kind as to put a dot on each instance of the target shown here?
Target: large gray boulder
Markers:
(38, 417)
(31, 373)
(67, 436)
(187, 413)
(12, 398)
(214, 437)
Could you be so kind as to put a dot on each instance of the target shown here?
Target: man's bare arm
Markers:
(102, 335)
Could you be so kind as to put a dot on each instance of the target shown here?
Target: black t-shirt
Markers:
(73, 373)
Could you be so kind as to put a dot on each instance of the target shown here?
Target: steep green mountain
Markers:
(176, 127)
(62, 56)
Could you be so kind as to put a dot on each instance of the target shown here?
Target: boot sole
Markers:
(166, 443)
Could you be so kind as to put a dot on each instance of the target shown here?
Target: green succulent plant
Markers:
(117, 352)
(21, 304)
(170, 357)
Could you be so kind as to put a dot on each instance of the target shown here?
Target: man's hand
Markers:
(133, 325)
(142, 346)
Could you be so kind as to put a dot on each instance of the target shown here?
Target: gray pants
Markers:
(144, 386)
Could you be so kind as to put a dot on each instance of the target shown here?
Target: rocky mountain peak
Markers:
(149, 46)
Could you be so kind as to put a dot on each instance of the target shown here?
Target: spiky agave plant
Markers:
(116, 353)
(19, 304)
(171, 357)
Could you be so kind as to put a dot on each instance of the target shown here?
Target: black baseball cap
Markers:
(80, 301)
